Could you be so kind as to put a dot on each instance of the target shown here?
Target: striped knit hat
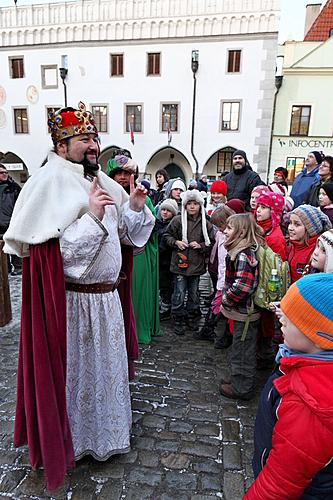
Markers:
(309, 305)
(326, 240)
(313, 219)
(193, 195)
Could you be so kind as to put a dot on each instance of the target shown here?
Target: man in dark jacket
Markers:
(242, 179)
(9, 192)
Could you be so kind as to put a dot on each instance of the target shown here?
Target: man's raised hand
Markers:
(98, 200)
(138, 196)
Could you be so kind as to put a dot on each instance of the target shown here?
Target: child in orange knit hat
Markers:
(294, 425)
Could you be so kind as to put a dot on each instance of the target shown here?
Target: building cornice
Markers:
(121, 20)
(144, 41)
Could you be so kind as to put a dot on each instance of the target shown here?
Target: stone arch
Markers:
(118, 31)
(272, 22)
(179, 28)
(10, 159)
(234, 25)
(262, 23)
(211, 167)
(215, 27)
(225, 26)
(167, 157)
(171, 29)
(244, 24)
(143, 30)
(251, 25)
(197, 27)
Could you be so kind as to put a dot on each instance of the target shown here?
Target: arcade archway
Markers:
(16, 167)
(219, 162)
(173, 161)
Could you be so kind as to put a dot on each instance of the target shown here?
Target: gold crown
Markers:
(68, 122)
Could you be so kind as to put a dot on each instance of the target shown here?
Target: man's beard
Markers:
(90, 169)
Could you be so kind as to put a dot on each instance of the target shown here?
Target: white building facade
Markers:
(304, 109)
(130, 62)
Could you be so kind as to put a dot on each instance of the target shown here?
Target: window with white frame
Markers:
(153, 64)
(21, 124)
(133, 117)
(234, 61)
(117, 65)
(169, 117)
(100, 113)
(16, 67)
(230, 115)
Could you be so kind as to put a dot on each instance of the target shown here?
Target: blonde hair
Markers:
(221, 215)
(247, 233)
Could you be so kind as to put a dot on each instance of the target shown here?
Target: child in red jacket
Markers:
(294, 425)
(269, 208)
(305, 226)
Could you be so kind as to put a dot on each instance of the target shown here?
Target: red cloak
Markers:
(41, 419)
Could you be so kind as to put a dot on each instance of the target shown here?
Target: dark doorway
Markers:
(175, 171)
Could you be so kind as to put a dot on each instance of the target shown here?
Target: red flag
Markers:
(131, 131)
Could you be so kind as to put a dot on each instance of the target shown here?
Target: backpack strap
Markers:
(248, 319)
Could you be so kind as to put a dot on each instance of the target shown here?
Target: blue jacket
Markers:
(302, 184)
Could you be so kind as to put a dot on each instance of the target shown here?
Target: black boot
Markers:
(223, 337)
(207, 331)
(179, 326)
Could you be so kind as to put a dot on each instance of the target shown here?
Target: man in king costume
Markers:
(72, 391)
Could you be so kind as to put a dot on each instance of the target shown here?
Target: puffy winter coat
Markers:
(196, 258)
(302, 185)
(240, 185)
(299, 255)
(294, 433)
(8, 199)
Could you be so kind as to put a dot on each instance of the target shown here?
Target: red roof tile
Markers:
(320, 30)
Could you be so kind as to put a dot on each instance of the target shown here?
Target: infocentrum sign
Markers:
(306, 143)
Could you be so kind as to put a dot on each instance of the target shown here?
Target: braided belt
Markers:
(105, 287)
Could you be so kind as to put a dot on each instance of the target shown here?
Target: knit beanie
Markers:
(275, 202)
(238, 206)
(328, 188)
(193, 195)
(145, 183)
(219, 187)
(193, 184)
(260, 189)
(178, 184)
(326, 239)
(171, 205)
(309, 305)
(318, 155)
(240, 152)
(313, 219)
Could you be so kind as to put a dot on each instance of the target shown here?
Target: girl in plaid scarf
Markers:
(242, 238)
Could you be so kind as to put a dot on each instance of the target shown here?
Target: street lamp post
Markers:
(194, 67)
(278, 85)
(63, 75)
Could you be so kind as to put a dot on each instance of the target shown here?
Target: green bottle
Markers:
(274, 286)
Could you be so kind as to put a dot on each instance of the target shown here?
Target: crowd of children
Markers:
(294, 415)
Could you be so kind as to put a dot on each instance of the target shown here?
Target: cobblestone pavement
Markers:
(187, 441)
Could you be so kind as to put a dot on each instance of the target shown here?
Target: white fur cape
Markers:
(55, 196)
